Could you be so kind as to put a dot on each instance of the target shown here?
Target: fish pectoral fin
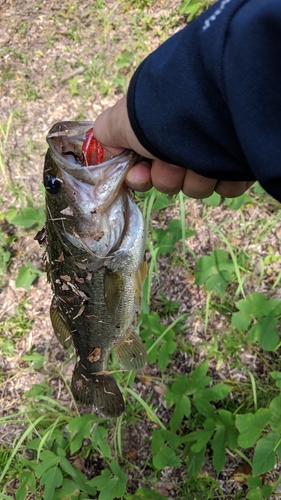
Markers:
(131, 353)
(60, 327)
(141, 274)
(97, 390)
(113, 291)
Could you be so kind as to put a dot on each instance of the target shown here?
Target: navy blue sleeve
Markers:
(209, 98)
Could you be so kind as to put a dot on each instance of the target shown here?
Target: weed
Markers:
(160, 343)
(167, 307)
(4, 134)
(265, 313)
(192, 8)
(22, 29)
(6, 242)
(19, 323)
(95, 73)
(99, 4)
(27, 217)
(73, 33)
(215, 271)
(51, 40)
(7, 74)
(111, 483)
(74, 86)
(137, 4)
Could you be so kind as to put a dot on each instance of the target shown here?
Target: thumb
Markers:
(107, 129)
(113, 130)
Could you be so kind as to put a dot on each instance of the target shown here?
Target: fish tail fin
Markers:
(98, 390)
(131, 353)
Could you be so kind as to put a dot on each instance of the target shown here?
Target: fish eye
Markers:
(52, 184)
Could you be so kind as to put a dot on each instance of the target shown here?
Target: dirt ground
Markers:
(59, 61)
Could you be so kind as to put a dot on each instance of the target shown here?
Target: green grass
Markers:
(4, 134)
(202, 416)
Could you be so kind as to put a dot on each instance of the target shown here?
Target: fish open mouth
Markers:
(75, 143)
(81, 163)
(75, 150)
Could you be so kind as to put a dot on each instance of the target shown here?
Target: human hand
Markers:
(113, 130)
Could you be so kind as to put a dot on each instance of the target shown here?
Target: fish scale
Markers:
(95, 262)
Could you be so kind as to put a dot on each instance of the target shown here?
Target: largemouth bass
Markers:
(95, 241)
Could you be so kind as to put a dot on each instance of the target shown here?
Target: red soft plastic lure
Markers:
(92, 150)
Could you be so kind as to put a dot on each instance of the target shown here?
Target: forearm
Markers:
(207, 96)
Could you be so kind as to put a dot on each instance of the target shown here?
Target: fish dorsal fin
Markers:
(60, 327)
(113, 291)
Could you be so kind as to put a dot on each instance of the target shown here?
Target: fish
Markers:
(95, 246)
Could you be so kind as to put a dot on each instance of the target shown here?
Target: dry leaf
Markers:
(163, 492)
(94, 355)
(131, 455)
(161, 389)
(241, 474)
(79, 463)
